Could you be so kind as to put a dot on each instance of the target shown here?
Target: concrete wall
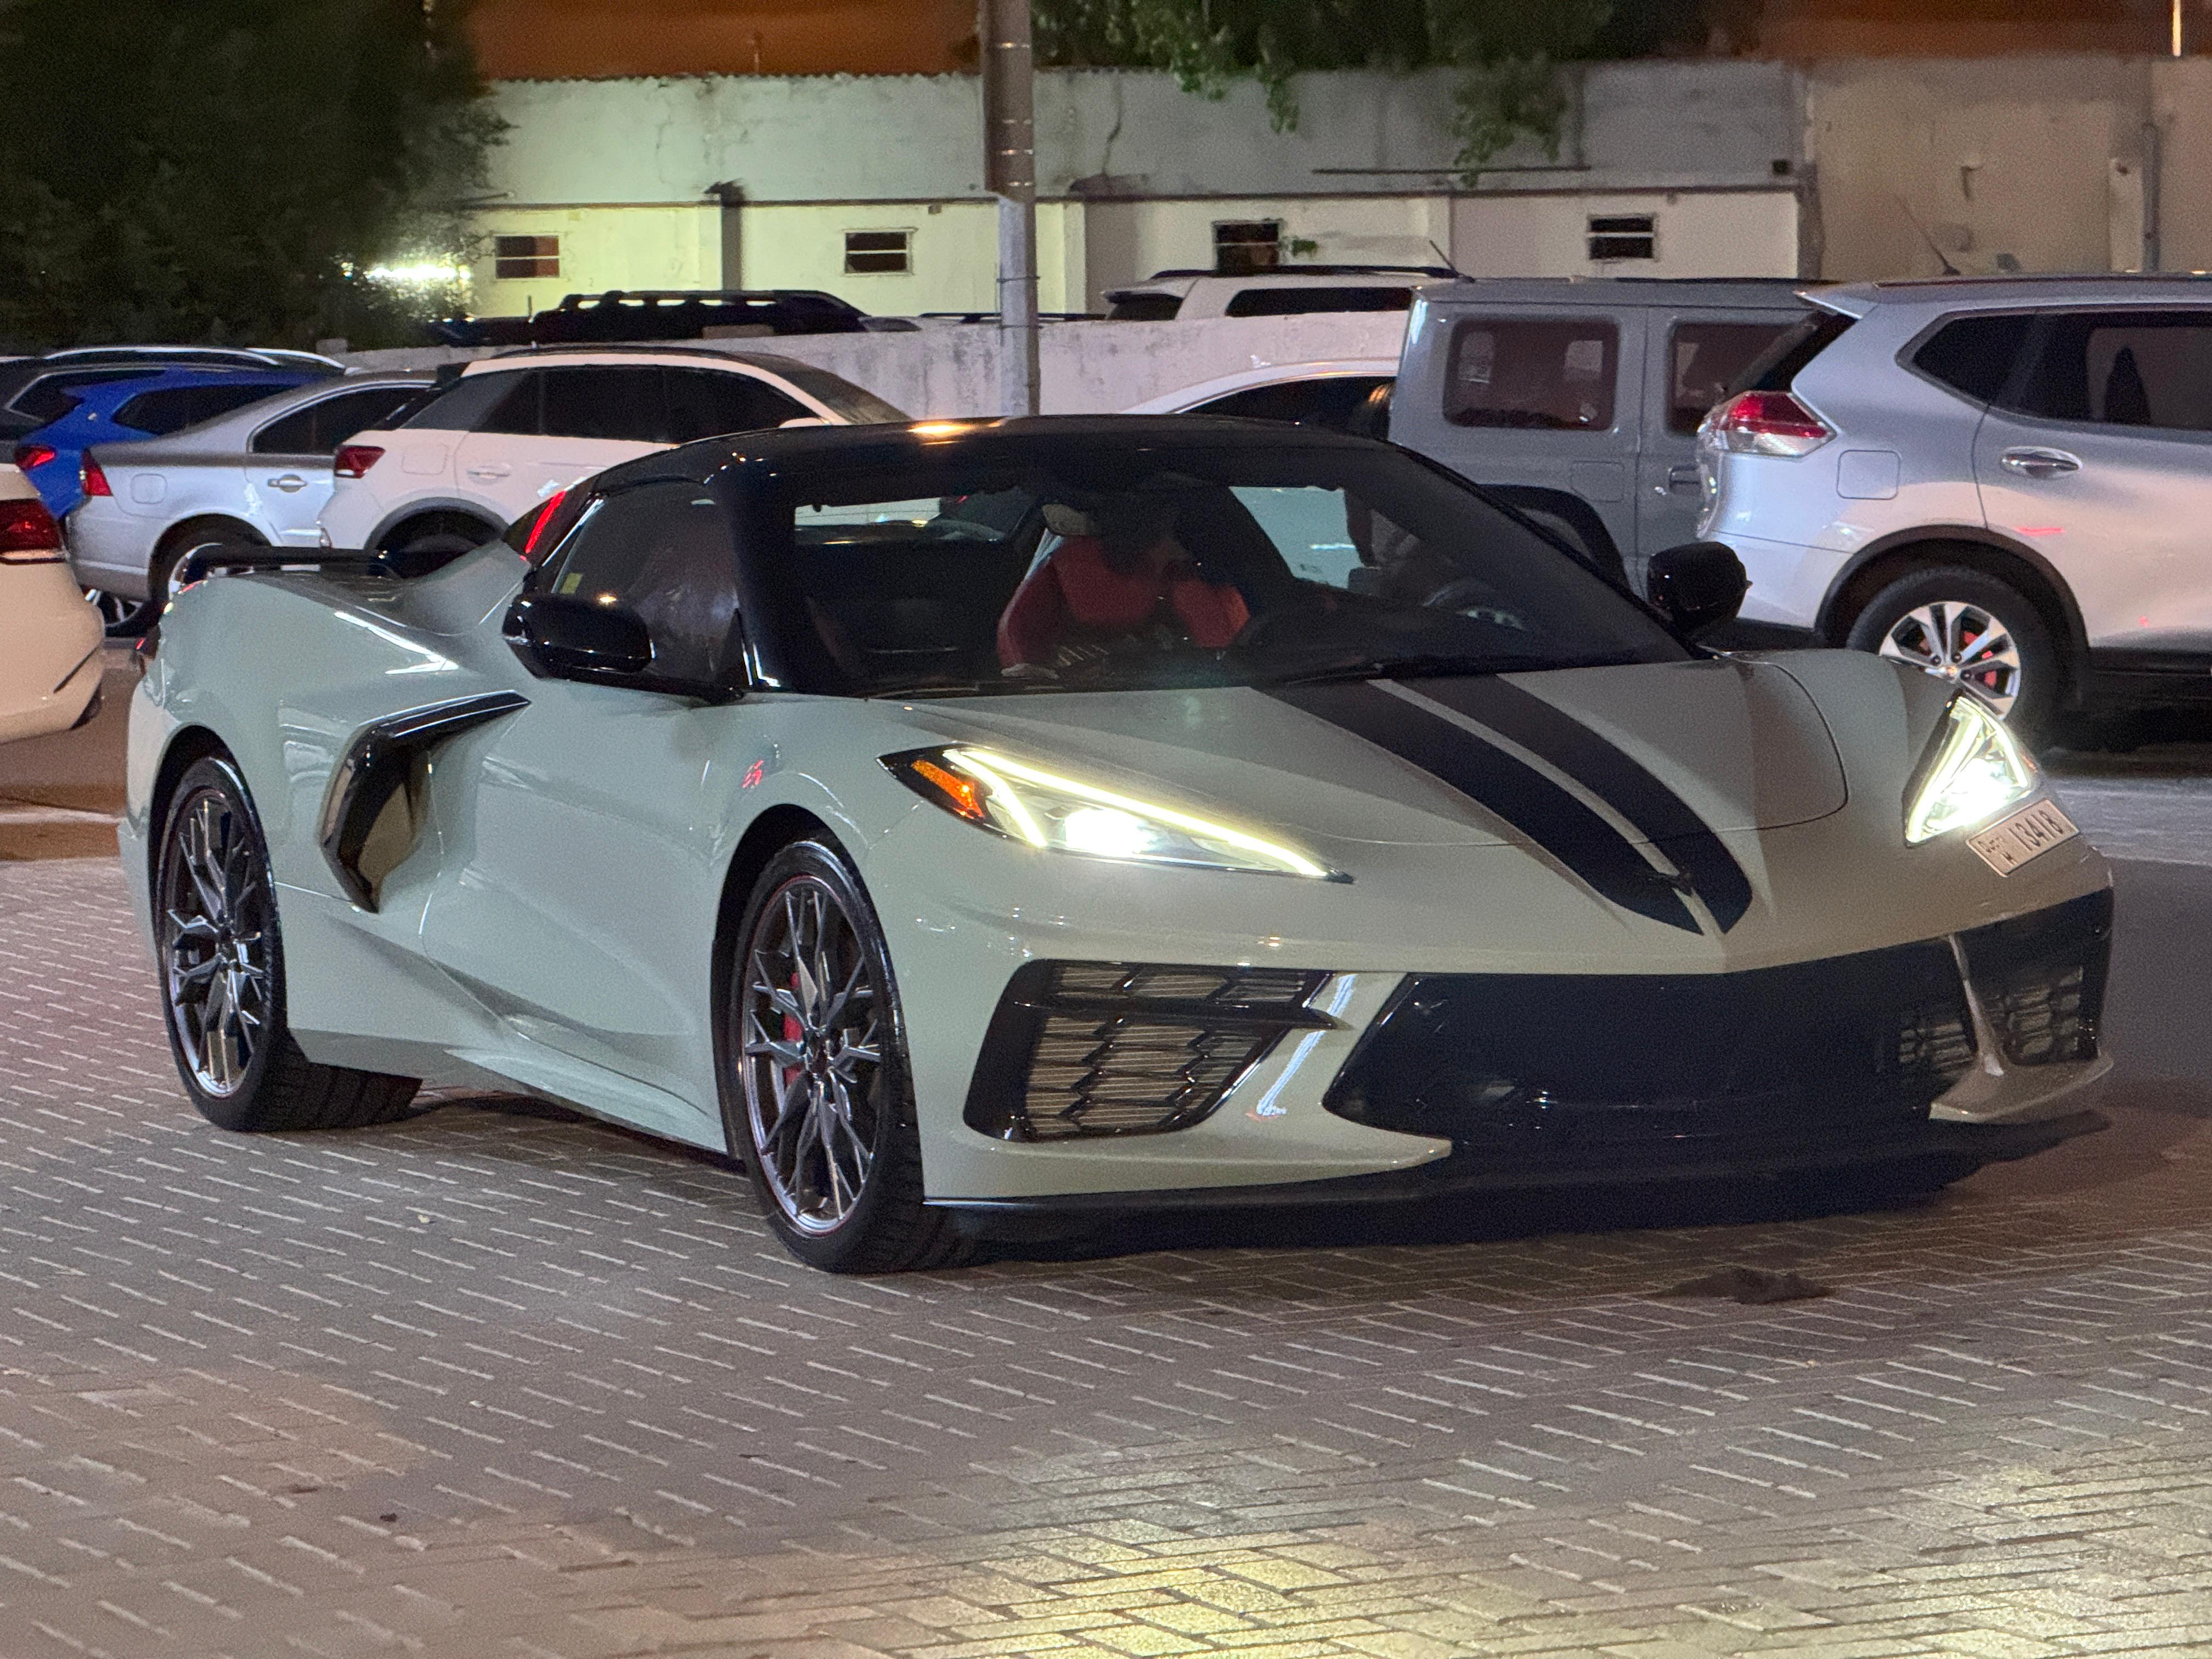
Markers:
(1747, 233)
(1997, 159)
(1087, 367)
(1115, 133)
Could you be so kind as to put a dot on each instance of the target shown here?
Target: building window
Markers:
(1242, 246)
(526, 256)
(1623, 236)
(879, 252)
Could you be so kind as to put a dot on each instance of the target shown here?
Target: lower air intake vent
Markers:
(2041, 979)
(1088, 1048)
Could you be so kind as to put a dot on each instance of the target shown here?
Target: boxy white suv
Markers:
(513, 429)
(2004, 481)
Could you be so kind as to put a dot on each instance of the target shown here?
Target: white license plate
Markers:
(2010, 842)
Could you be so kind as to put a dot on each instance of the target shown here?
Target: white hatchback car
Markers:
(514, 428)
(50, 665)
(2000, 481)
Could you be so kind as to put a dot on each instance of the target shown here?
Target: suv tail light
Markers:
(352, 460)
(93, 479)
(28, 534)
(1767, 423)
(30, 455)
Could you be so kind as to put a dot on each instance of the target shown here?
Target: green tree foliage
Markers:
(223, 170)
(1507, 50)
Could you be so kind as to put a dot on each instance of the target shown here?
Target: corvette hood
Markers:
(1647, 754)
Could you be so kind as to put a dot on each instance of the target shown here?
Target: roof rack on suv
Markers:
(1310, 270)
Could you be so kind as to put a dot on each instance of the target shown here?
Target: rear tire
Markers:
(816, 1090)
(1969, 628)
(221, 962)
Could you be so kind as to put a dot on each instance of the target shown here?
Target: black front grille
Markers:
(2040, 979)
(1088, 1048)
(1570, 1067)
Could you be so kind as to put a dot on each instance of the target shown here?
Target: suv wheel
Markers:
(1972, 629)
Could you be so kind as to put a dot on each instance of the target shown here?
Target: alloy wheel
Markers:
(216, 959)
(811, 1020)
(118, 615)
(1957, 641)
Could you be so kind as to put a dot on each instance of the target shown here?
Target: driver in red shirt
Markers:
(1119, 579)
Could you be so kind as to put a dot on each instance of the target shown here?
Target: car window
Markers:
(1143, 307)
(51, 396)
(322, 426)
(623, 403)
(1704, 359)
(1297, 301)
(1974, 355)
(854, 404)
(663, 551)
(1554, 373)
(1775, 369)
(2147, 368)
(1334, 404)
(174, 408)
(474, 399)
(703, 402)
(1077, 566)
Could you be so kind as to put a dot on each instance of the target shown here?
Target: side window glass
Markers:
(623, 404)
(294, 434)
(663, 551)
(1974, 355)
(705, 403)
(513, 412)
(465, 404)
(1334, 403)
(1541, 373)
(1303, 300)
(337, 419)
(1706, 359)
(2147, 368)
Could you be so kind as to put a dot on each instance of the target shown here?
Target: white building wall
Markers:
(1697, 233)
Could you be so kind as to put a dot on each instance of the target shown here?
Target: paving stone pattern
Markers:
(496, 1382)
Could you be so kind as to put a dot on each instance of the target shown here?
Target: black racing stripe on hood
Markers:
(1613, 777)
(1595, 853)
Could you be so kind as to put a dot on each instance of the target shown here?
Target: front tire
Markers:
(820, 1095)
(1971, 629)
(221, 962)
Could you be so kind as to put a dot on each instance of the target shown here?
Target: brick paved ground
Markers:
(497, 1383)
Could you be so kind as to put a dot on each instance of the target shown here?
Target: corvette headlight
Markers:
(1026, 803)
(1974, 768)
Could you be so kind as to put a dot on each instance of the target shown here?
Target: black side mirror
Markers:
(1696, 586)
(559, 637)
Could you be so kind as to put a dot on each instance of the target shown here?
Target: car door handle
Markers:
(490, 469)
(1682, 478)
(288, 482)
(2039, 463)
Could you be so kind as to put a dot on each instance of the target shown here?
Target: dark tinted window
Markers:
(606, 403)
(977, 572)
(1704, 359)
(1548, 372)
(663, 551)
(1774, 368)
(49, 397)
(467, 402)
(321, 427)
(1335, 404)
(704, 402)
(1297, 301)
(2151, 368)
(514, 411)
(1974, 355)
(172, 409)
(1143, 307)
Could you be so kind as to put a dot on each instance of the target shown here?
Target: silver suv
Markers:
(2003, 480)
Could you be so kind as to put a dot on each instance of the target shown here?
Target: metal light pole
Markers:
(1010, 174)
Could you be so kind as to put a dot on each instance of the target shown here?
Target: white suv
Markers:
(1280, 291)
(513, 429)
(1999, 480)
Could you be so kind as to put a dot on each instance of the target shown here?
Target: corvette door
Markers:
(581, 904)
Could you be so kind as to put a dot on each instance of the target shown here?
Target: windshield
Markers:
(1120, 569)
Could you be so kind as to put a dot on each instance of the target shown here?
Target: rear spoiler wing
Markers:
(246, 558)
